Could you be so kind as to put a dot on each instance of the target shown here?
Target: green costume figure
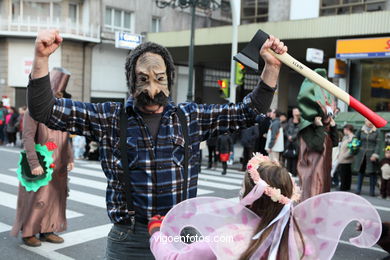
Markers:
(317, 136)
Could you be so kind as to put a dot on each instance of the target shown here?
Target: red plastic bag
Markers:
(224, 157)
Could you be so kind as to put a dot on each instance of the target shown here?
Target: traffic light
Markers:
(240, 74)
(224, 87)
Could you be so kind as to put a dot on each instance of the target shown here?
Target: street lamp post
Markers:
(202, 4)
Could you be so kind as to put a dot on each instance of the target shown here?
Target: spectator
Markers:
(264, 123)
(224, 150)
(366, 161)
(248, 142)
(3, 114)
(275, 142)
(11, 128)
(292, 146)
(283, 121)
(385, 170)
(19, 124)
(345, 158)
(211, 145)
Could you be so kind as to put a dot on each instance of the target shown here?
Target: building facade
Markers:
(88, 50)
(301, 24)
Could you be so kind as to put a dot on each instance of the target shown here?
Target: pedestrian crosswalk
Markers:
(87, 203)
(88, 184)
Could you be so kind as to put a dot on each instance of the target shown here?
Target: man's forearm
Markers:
(262, 97)
(270, 75)
(40, 67)
(263, 94)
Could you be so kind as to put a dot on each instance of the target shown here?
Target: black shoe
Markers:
(357, 192)
(223, 173)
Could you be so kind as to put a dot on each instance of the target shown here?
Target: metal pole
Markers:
(236, 11)
(191, 53)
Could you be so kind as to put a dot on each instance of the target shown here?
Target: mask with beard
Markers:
(151, 82)
(143, 99)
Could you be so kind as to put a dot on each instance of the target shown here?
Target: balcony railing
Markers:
(27, 26)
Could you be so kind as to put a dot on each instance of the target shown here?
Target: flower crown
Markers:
(274, 193)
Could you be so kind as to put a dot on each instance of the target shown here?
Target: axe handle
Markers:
(285, 58)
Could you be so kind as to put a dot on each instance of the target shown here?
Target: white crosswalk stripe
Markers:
(75, 238)
(205, 176)
(230, 175)
(94, 173)
(10, 201)
(4, 227)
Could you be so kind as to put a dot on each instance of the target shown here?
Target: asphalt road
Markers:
(88, 224)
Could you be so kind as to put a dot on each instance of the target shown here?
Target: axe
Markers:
(249, 57)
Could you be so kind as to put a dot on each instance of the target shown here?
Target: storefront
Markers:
(368, 76)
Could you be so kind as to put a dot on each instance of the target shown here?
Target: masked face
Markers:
(151, 86)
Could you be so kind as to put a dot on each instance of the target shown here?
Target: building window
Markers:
(36, 10)
(16, 9)
(155, 24)
(335, 7)
(118, 20)
(254, 11)
(73, 12)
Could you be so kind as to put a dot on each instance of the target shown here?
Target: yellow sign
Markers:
(340, 67)
(363, 48)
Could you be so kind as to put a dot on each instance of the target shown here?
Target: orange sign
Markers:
(363, 48)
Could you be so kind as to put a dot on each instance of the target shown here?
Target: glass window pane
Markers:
(56, 11)
(35, 10)
(15, 9)
(117, 18)
(127, 21)
(108, 16)
(155, 25)
(73, 12)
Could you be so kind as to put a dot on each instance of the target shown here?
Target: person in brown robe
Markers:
(315, 158)
(317, 136)
(43, 212)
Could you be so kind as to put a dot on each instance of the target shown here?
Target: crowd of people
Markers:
(11, 125)
(282, 144)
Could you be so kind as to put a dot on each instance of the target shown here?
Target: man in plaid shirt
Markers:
(155, 141)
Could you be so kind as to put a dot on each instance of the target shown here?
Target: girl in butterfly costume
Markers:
(265, 224)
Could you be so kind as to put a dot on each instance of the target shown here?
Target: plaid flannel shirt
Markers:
(156, 169)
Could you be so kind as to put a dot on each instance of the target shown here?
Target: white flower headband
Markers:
(274, 193)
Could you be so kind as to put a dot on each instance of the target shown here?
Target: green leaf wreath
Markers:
(34, 182)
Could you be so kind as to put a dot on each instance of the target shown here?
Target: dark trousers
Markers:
(292, 165)
(224, 167)
(124, 243)
(2, 133)
(372, 175)
(212, 153)
(247, 155)
(385, 188)
(11, 137)
(373, 178)
(261, 148)
(345, 173)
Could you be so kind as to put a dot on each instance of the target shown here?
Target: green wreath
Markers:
(34, 182)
